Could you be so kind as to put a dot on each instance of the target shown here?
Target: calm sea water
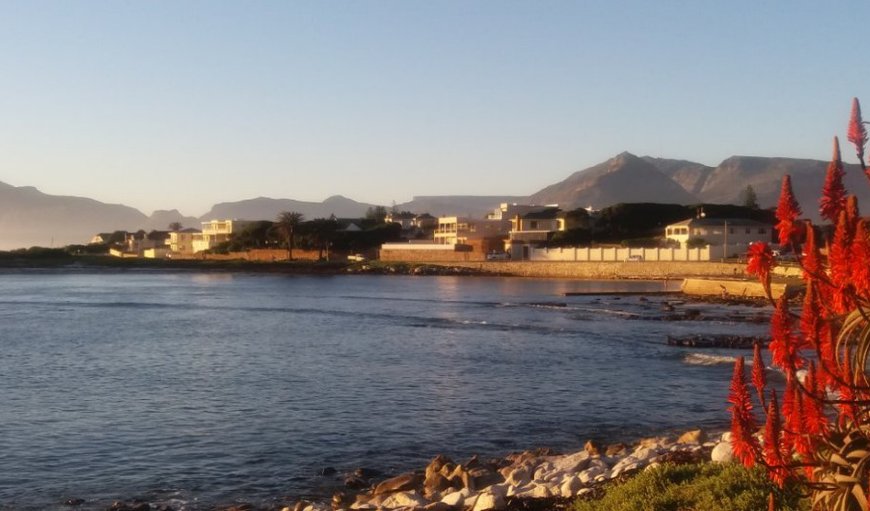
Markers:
(195, 389)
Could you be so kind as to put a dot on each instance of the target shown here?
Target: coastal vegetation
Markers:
(707, 486)
(816, 430)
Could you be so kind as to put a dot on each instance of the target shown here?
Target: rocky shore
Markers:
(530, 480)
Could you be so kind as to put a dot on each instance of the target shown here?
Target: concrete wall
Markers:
(725, 288)
(610, 270)
(473, 250)
(417, 256)
(614, 254)
(264, 255)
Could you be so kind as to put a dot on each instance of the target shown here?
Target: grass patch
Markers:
(695, 487)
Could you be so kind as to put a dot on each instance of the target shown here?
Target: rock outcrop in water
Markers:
(529, 480)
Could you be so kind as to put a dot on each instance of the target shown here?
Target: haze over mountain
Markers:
(29, 217)
(265, 208)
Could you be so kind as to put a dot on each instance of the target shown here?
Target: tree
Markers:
(321, 232)
(287, 225)
(376, 213)
(748, 197)
(175, 226)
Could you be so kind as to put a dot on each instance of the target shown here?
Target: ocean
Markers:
(197, 389)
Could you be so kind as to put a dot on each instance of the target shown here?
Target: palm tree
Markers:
(287, 224)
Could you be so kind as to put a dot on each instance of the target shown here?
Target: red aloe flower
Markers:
(791, 415)
(839, 260)
(860, 260)
(772, 453)
(852, 211)
(828, 358)
(787, 211)
(834, 193)
(761, 261)
(857, 132)
(811, 314)
(743, 443)
(759, 378)
(784, 345)
(815, 421)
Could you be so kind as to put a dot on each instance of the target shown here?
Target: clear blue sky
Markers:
(168, 104)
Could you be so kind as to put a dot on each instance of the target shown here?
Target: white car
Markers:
(356, 258)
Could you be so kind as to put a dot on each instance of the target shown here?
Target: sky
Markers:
(181, 105)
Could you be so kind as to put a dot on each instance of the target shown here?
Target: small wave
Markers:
(702, 359)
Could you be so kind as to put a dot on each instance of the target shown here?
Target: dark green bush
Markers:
(695, 487)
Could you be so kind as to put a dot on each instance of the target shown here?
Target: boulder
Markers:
(437, 483)
(535, 491)
(403, 499)
(615, 449)
(438, 506)
(592, 472)
(481, 476)
(570, 463)
(519, 476)
(354, 482)
(653, 442)
(722, 453)
(696, 436)
(491, 498)
(592, 448)
(404, 482)
(438, 463)
(544, 471)
(570, 486)
(456, 498)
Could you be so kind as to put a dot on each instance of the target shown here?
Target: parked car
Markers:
(497, 256)
(356, 258)
(634, 258)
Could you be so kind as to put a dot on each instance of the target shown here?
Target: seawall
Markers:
(660, 270)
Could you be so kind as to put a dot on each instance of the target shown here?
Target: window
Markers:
(762, 231)
(748, 230)
(534, 224)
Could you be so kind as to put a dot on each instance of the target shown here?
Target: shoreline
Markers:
(536, 478)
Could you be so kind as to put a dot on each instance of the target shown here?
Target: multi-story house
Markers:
(215, 232)
(733, 234)
(452, 230)
(181, 242)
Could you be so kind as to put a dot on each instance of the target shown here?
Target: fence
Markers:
(614, 254)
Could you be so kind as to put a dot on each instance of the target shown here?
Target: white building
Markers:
(734, 235)
(457, 229)
(216, 232)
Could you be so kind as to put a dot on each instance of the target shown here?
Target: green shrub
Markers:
(695, 487)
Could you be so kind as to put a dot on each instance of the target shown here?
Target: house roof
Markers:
(543, 214)
(703, 222)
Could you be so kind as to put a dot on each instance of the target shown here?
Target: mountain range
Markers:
(29, 217)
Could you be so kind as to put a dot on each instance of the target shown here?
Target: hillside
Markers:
(29, 217)
(265, 208)
(463, 205)
(765, 176)
(690, 175)
(624, 178)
